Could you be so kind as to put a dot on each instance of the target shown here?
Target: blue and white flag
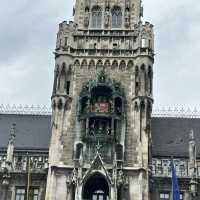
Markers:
(175, 186)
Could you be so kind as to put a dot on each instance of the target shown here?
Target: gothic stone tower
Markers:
(101, 104)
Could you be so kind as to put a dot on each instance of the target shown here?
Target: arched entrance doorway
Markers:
(96, 188)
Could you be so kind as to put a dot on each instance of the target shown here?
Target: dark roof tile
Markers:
(32, 131)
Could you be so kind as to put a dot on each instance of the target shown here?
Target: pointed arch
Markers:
(60, 104)
(142, 105)
(122, 65)
(99, 64)
(62, 79)
(84, 64)
(96, 17)
(114, 64)
(55, 84)
(119, 152)
(91, 64)
(130, 65)
(149, 110)
(143, 80)
(142, 67)
(96, 186)
(116, 17)
(78, 151)
(53, 105)
(77, 63)
(136, 107)
(107, 64)
(137, 81)
(150, 80)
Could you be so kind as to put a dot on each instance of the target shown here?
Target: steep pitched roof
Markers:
(171, 135)
(32, 131)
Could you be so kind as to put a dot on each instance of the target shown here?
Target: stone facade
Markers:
(101, 123)
(104, 58)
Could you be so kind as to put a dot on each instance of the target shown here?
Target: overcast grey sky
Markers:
(27, 40)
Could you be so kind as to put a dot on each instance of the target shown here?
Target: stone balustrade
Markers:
(162, 167)
(38, 163)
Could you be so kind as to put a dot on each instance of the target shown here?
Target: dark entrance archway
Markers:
(96, 188)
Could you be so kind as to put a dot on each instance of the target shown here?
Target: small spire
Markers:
(10, 148)
(191, 135)
(12, 134)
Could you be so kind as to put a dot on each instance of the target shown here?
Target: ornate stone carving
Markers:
(87, 18)
(127, 18)
(122, 180)
(107, 17)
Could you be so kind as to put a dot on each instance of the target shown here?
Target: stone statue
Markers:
(107, 17)
(86, 18)
(127, 18)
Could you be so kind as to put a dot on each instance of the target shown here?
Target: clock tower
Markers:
(101, 104)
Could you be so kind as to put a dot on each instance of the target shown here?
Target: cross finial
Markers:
(98, 146)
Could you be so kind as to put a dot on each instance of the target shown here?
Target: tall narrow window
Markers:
(116, 17)
(164, 196)
(66, 42)
(20, 194)
(68, 87)
(34, 194)
(96, 17)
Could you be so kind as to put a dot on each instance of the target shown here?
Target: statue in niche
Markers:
(74, 176)
(108, 130)
(120, 180)
(127, 18)
(111, 105)
(86, 18)
(92, 128)
(107, 17)
(100, 129)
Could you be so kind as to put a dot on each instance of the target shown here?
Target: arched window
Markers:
(99, 65)
(116, 17)
(96, 17)
(84, 64)
(91, 64)
(122, 65)
(114, 64)
(130, 65)
(62, 79)
(77, 63)
(107, 64)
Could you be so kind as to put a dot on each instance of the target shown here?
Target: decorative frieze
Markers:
(162, 167)
(38, 163)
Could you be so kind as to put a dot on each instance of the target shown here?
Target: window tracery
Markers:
(96, 17)
(77, 63)
(84, 64)
(122, 66)
(116, 17)
(115, 64)
(107, 64)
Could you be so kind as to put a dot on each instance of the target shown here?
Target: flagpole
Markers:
(175, 185)
(171, 179)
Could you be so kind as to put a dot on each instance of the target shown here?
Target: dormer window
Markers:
(116, 17)
(96, 17)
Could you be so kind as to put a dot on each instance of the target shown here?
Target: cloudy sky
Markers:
(27, 40)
